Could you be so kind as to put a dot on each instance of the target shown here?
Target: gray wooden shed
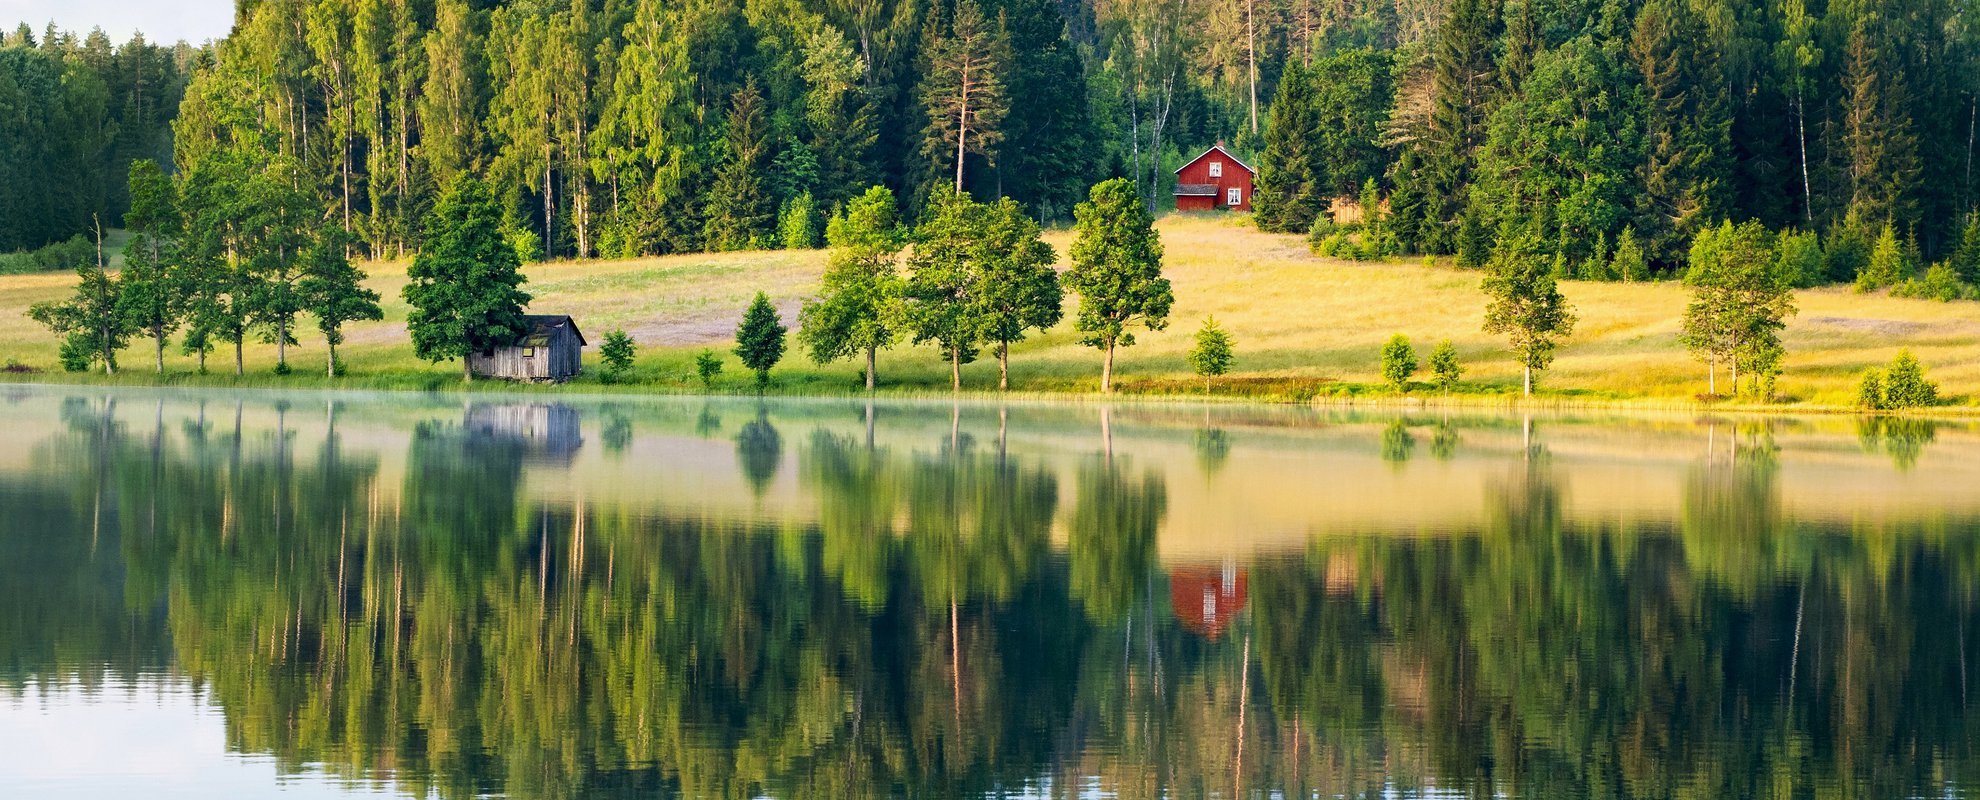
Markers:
(551, 349)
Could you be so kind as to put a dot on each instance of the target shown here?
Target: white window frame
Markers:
(1216, 169)
(1234, 196)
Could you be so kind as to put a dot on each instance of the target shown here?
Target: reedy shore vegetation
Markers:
(1307, 329)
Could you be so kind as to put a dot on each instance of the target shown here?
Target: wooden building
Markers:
(1206, 599)
(551, 349)
(1214, 181)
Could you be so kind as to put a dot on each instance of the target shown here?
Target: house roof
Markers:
(543, 326)
(1218, 148)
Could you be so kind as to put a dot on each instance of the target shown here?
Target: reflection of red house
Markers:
(1206, 599)
(1214, 180)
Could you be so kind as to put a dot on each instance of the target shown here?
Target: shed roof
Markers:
(1218, 148)
(1196, 190)
(539, 328)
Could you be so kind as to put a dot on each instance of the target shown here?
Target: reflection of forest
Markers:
(926, 635)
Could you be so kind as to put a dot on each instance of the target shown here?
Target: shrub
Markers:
(1444, 366)
(1398, 362)
(1870, 392)
(1941, 283)
(60, 256)
(617, 351)
(1905, 385)
(1323, 228)
(707, 365)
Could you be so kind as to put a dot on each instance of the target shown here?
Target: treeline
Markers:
(74, 113)
(1599, 127)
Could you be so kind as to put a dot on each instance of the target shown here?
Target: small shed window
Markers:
(1233, 196)
(529, 352)
(1216, 169)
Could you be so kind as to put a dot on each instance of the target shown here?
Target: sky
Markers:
(162, 21)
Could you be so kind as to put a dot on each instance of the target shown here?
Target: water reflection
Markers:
(473, 601)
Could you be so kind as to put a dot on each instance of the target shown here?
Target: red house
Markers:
(1214, 180)
(1206, 599)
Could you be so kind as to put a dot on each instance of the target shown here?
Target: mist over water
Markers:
(223, 594)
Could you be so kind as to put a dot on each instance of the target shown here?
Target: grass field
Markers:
(1304, 326)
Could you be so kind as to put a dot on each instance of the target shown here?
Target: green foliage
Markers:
(1905, 385)
(942, 280)
(1941, 283)
(464, 285)
(797, 226)
(64, 255)
(859, 305)
(333, 290)
(1845, 252)
(1474, 241)
(1213, 352)
(707, 365)
(760, 339)
(1525, 303)
(1887, 266)
(1292, 187)
(1444, 366)
(1017, 288)
(1741, 299)
(92, 322)
(1966, 259)
(1628, 262)
(1870, 391)
(1799, 258)
(963, 88)
(1319, 234)
(740, 209)
(1398, 362)
(1117, 271)
(617, 350)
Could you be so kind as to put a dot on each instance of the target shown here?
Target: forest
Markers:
(623, 127)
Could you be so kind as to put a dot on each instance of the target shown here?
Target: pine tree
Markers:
(1463, 89)
(741, 212)
(1687, 126)
(962, 88)
(1117, 271)
(760, 339)
(1290, 191)
(464, 285)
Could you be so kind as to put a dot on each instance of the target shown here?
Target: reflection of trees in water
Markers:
(1902, 438)
(1397, 443)
(760, 450)
(1213, 448)
(1443, 441)
(921, 639)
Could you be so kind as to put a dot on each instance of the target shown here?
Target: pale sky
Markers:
(162, 21)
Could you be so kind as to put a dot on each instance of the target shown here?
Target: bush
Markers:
(60, 256)
(707, 365)
(1905, 385)
(1941, 283)
(1398, 362)
(1323, 228)
(1444, 366)
(1870, 392)
(617, 351)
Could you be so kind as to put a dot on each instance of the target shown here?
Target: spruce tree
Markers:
(760, 339)
(1463, 87)
(464, 287)
(1687, 126)
(1290, 191)
(741, 213)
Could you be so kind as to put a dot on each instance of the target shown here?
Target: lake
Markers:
(208, 594)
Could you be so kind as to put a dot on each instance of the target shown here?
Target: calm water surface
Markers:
(311, 595)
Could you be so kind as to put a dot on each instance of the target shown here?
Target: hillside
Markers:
(1302, 324)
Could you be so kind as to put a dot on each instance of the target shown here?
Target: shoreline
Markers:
(447, 384)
